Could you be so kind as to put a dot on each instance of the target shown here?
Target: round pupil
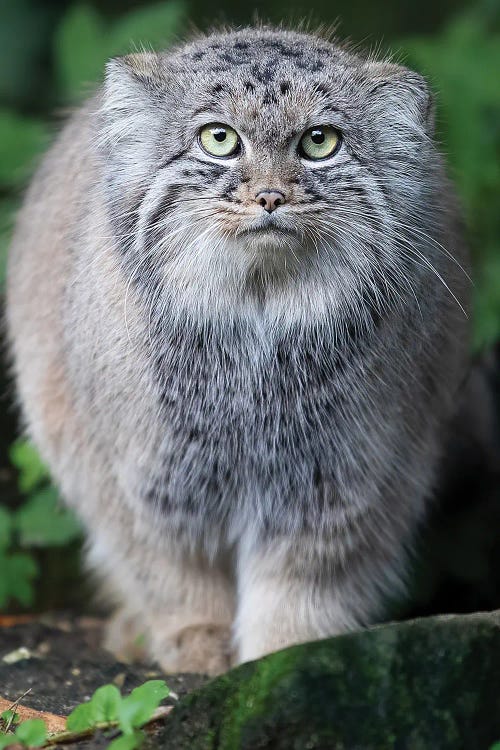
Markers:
(220, 135)
(318, 137)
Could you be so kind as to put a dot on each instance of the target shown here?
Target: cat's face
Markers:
(269, 152)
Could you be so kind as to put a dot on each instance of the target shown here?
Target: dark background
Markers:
(52, 53)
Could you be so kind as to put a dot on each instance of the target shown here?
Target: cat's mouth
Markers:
(268, 225)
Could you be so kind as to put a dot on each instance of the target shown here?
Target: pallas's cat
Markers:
(236, 307)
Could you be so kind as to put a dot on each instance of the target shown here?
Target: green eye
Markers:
(319, 142)
(219, 140)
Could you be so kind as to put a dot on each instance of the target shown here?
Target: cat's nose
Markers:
(270, 200)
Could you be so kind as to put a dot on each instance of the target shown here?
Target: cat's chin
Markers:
(272, 238)
(272, 253)
(272, 242)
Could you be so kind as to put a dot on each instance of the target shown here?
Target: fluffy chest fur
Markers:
(257, 422)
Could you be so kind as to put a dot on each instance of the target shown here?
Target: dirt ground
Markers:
(63, 664)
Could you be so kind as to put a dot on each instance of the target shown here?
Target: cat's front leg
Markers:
(300, 589)
(181, 602)
(191, 631)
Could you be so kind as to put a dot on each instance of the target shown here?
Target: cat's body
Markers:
(247, 412)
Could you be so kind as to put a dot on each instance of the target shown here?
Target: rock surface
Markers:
(430, 684)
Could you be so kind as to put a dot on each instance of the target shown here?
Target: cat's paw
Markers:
(126, 637)
(205, 649)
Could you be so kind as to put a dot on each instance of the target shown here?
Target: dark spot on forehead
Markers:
(285, 87)
(249, 86)
(263, 73)
(231, 58)
(316, 66)
(285, 50)
(217, 88)
(219, 68)
(269, 97)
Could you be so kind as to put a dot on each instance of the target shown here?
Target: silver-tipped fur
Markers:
(246, 409)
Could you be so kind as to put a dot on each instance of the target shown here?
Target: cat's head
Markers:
(263, 154)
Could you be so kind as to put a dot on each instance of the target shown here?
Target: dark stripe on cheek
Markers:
(163, 208)
(124, 217)
(167, 160)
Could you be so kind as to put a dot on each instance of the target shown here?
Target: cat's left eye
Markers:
(217, 139)
(319, 142)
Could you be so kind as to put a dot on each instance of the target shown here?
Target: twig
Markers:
(13, 709)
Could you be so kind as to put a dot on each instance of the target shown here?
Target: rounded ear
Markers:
(141, 69)
(131, 84)
(130, 110)
(404, 92)
(129, 121)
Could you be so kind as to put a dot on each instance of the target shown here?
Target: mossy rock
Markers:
(426, 684)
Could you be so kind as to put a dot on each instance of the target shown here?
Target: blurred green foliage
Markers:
(84, 42)
(29, 733)
(463, 66)
(41, 521)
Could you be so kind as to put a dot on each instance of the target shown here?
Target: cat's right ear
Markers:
(132, 95)
(132, 79)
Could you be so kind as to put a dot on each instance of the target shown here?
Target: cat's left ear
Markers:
(403, 92)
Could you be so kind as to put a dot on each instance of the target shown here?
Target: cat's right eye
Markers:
(220, 140)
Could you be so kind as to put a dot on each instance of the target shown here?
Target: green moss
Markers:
(425, 684)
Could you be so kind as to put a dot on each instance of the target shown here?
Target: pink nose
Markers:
(270, 200)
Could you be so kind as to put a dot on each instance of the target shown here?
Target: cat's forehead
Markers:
(251, 74)
(259, 49)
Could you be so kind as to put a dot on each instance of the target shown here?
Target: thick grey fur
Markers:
(248, 423)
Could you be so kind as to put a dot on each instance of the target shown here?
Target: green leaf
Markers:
(32, 472)
(128, 741)
(6, 739)
(137, 708)
(32, 733)
(18, 570)
(80, 718)
(21, 139)
(80, 50)
(105, 704)
(150, 27)
(5, 527)
(42, 522)
(9, 716)
(8, 207)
